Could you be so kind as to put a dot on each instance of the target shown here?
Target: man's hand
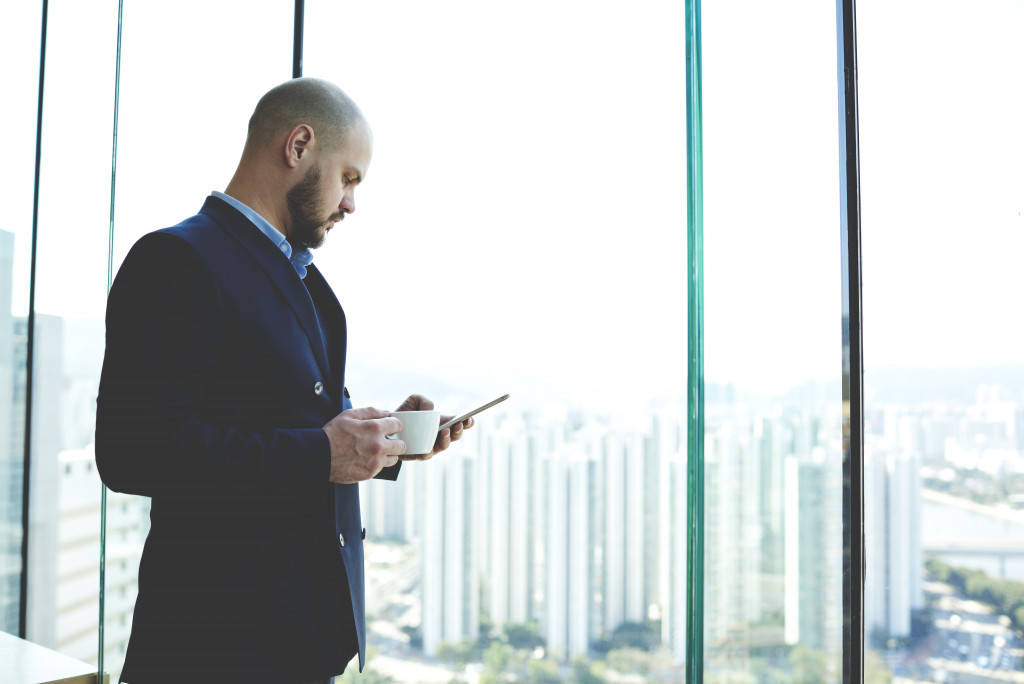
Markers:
(417, 402)
(359, 448)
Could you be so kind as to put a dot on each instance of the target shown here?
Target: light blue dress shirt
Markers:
(300, 260)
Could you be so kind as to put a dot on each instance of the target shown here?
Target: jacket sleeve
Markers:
(165, 329)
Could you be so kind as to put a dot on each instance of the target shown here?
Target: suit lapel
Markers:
(278, 269)
(334, 324)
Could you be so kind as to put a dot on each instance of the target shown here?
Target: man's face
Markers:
(327, 191)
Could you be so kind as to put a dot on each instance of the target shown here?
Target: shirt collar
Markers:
(299, 260)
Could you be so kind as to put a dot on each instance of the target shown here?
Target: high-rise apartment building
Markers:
(892, 505)
(78, 496)
(813, 568)
(773, 491)
(12, 424)
(580, 528)
(44, 494)
(450, 584)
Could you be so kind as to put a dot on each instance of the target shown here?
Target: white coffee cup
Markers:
(419, 430)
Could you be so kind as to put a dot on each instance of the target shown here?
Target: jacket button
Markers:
(362, 535)
(318, 388)
(341, 539)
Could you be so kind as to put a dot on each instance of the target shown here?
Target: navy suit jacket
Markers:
(221, 367)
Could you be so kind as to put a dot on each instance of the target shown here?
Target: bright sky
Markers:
(523, 220)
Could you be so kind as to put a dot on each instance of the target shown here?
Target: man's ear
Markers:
(297, 143)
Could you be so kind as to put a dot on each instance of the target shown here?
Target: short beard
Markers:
(308, 230)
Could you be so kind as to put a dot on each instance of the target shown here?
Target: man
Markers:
(223, 398)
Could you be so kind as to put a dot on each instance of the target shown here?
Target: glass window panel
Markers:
(74, 207)
(187, 89)
(772, 301)
(19, 58)
(522, 230)
(943, 192)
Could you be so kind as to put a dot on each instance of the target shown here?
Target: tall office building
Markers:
(773, 488)
(732, 542)
(630, 505)
(513, 517)
(875, 546)
(906, 556)
(44, 498)
(384, 504)
(773, 443)
(571, 564)
(668, 448)
(450, 585)
(497, 528)
(894, 585)
(674, 557)
(813, 571)
(511, 439)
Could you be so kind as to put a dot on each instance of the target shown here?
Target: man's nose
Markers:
(348, 204)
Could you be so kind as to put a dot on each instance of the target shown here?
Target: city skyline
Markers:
(780, 472)
(523, 230)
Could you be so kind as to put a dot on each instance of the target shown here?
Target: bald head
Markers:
(308, 149)
(312, 101)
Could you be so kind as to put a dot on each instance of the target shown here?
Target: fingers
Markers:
(360, 446)
(367, 413)
(391, 425)
(382, 421)
(443, 441)
(380, 447)
(416, 402)
(458, 428)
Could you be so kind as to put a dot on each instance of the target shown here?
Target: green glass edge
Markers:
(110, 280)
(695, 349)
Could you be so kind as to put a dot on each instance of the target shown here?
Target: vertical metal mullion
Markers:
(297, 46)
(695, 348)
(110, 280)
(853, 366)
(30, 338)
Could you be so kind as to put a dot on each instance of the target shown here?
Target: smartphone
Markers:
(475, 411)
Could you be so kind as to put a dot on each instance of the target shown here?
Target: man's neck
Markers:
(259, 200)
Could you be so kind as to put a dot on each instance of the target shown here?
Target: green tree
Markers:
(456, 655)
(808, 665)
(542, 671)
(639, 635)
(875, 671)
(937, 570)
(583, 673)
(524, 636)
(1006, 596)
(629, 660)
(497, 658)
